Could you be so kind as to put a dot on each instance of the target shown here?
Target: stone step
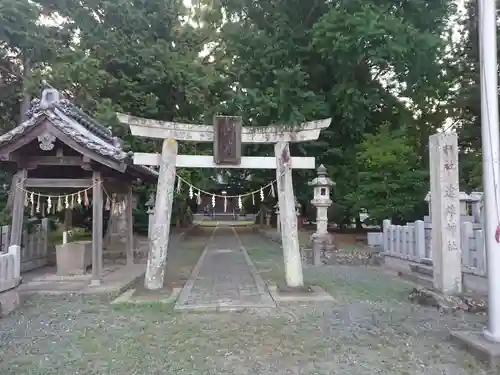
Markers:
(422, 269)
(426, 261)
(418, 278)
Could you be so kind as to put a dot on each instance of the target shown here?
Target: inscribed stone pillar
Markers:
(116, 235)
(446, 246)
(157, 259)
(288, 217)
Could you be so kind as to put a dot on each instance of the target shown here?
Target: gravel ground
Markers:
(371, 328)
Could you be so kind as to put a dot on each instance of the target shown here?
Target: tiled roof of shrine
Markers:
(76, 124)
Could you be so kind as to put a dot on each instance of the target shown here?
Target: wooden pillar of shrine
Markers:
(16, 229)
(130, 227)
(97, 223)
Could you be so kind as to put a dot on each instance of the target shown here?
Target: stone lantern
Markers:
(428, 200)
(268, 218)
(277, 212)
(150, 204)
(298, 206)
(476, 202)
(321, 241)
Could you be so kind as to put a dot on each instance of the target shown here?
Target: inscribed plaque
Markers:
(227, 140)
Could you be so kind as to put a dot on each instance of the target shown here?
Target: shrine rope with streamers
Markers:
(196, 192)
(50, 203)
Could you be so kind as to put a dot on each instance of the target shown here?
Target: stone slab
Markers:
(112, 283)
(129, 297)
(480, 348)
(9, 284)
(472, 283)
(422, 269)
(318, 295)
(9, 301)
(417, 278)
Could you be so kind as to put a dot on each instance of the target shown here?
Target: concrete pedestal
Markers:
(479, 347)
(321, 245)
(73, 258)
(9, 301)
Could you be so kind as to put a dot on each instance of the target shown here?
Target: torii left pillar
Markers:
(157, 259)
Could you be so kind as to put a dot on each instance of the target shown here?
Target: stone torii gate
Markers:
(226, 134)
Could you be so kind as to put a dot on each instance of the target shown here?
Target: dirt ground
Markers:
(370, 328)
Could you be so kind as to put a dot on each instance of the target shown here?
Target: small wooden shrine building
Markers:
(61, 157)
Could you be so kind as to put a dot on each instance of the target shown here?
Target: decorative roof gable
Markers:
(76, 124)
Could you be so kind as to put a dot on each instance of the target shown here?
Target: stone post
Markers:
(385, 235)
(277, 211)
(321, 240)
(297, 213)
(445, 200)
(476, 199)
(150, 204)
(268, 219)
(463, 202)
(15, 250)
(116, 234)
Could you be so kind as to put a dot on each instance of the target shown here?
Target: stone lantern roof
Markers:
(151, 201)
(322, 179)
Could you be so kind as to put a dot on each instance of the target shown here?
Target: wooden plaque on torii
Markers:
(227, 140)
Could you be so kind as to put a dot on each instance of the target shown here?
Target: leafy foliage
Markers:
(379, 69)
(392, 184)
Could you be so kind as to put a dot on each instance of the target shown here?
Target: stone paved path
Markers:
(224, 277)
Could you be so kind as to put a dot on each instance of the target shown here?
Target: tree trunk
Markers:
(25, 106)
(26, 102)
(359, 223)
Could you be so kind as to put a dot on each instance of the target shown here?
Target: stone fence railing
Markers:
(10, 273)
(412, 242)
(31, 255)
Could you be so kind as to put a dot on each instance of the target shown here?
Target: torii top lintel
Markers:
(142, 127)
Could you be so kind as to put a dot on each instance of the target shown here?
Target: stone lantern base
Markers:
(320, 248)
